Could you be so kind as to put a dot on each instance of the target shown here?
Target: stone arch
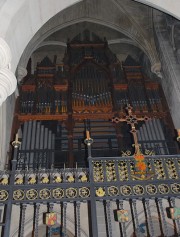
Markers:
(12, 30)
(24, 19)
(75, 15)
(169, 7)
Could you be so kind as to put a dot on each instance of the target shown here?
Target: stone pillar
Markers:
(170, 66)
(8, 80)
(21, 73)
(8, 84)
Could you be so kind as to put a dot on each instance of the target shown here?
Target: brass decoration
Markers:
(175, 188)
(19, 180)
(3, 195)
(123, 170)
(126, 190)
(18, 194)
(70, 179)
(16, 143)
(113, 191)
(138, 190)
(84, 192)
(71, 192)
(98, 172)
(178, 137)
(171, 169)
(159, 170)
(57, 179)
(110, 171)
(58, 193)
(31, 194)
(84, 178)
(140, 172)
(44, 193)
(126, 153)
(149, 152)
(163, 188)
(45, 180)
(4, 180)
(32, 180)
(88, 141)
(151, 189)
(100, 192)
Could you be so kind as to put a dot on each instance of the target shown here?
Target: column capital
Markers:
(5, 54)
(21, 73)
(8, 84)
(156, 68)
(8, 80)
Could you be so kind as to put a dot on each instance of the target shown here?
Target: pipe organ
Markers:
(90, 90)
(90, 85)
(37, 148)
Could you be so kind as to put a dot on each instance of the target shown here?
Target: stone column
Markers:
(170, 66)
(8, 84)
(8, 80)
(21, 73)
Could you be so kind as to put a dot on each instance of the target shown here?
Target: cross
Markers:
(132, 119)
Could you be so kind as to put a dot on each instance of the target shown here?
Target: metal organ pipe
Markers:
(152, 137)
(37, 146)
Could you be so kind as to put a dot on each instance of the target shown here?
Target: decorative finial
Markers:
(16, 143)
(178, 133)
(88, 141)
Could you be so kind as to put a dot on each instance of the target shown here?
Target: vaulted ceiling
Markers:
(126, 24)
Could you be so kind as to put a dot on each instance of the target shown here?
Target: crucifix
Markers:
(132, 120)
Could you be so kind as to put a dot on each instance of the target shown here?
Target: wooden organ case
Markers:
(61, 101)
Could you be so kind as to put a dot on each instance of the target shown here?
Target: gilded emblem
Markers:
(71, 192)
(58, 193)
(3, 195)
(84, 192)
(44, 193)
(18, 194)
(31, 194)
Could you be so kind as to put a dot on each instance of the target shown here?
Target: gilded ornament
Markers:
(18, 194)
(44, 193)
(163, 188)
(19, 181)
(70, 179)
(4, 181)
(84, 192)
(125, 190)
(58, 193)
(71, 192)
(138, 190)
(31, 194)
(3, 195)
(45, 180)
(32, 180)
(100, 192)
(113, 191)
(151, 189)
(57, 179)
(83, 178)
(175, 188)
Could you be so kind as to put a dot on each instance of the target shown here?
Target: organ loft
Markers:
(61, 103)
